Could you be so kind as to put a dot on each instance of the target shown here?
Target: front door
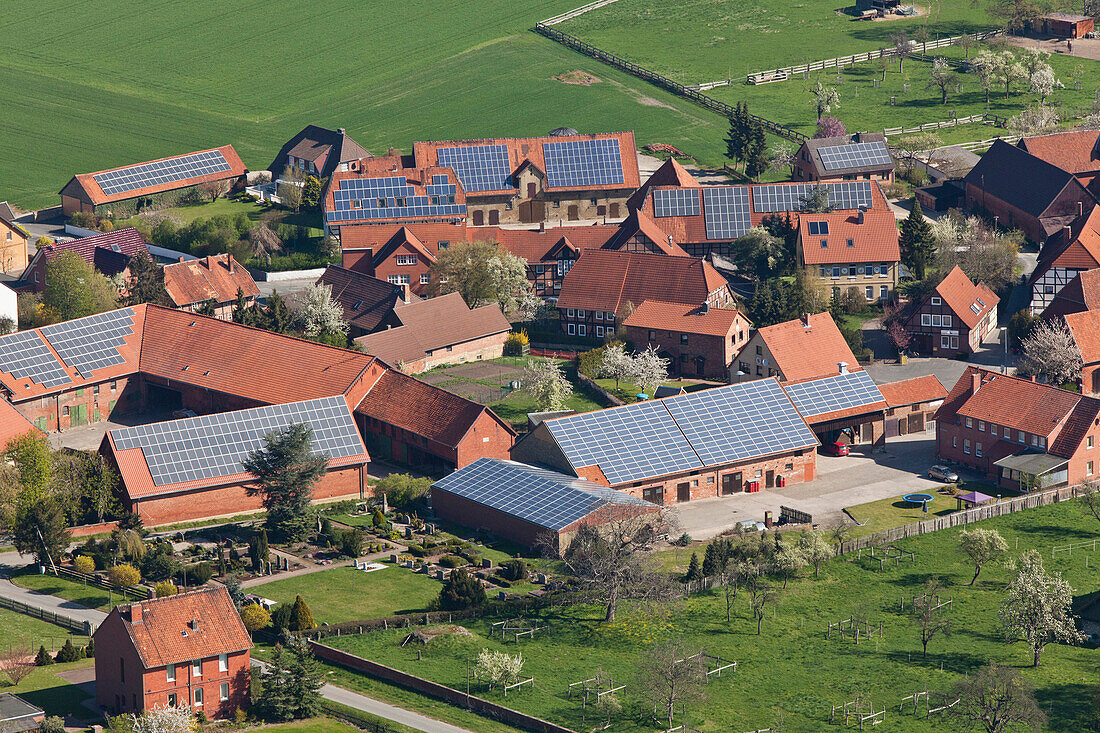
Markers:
(532, 190)
(614, 211)
(683, 492)
(700, 366)
(731, 483)
(769, 479)
(79, 415)
(574, 213)
(654, 495)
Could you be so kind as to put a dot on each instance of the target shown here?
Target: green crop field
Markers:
(792, 672)
(94, 85)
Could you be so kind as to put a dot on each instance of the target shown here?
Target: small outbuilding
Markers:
(1063, 25)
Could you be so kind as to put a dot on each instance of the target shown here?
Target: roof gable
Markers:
(1017, 177)
(367, 301)
(606, 280)
(807, 349)
(868, 236)
(969, 302)
(1076, 151)
(215, 277)
(682, 318)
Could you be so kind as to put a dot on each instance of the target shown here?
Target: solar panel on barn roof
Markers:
(91, 343)
(838, 392)
(770, 199)
(726, 212)
(583, 163)
(676, 202)
(25, 355)
(479, 167)
(855, 155)
(147, 175)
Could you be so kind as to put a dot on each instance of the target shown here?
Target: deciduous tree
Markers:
(255, 617)
(815, 550)
(317, 312)
(498, 668)
(942, 77)
(290, 188)
(825, 99)
(929, 617)
(124, 576)
(146, 282)
(998, 699)
(547, 384)
(649, 370)
(286, 470)
(671, 675)
(1037, 607)
(166, 719)
(74, 289)
(483, 273)
(902, 48)
(1051, 352)
(616, 363)
(829, 126)
(41, 530)
(982, 546)
(985, 66)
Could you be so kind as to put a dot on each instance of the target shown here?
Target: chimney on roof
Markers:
(842, 367)
(231, 262)
(181, 258)
(1068, 230)
(859, 219)
(704, 309)
(542, 226)
(194, 623)
(208, 261)
(135, 613)
(975, 382)
(805, 320)
(1032, 377)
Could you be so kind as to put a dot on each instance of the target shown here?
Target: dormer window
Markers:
(851, 243)
(818, 228)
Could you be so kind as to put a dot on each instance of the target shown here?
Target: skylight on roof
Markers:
(974, 307)
(818, 227)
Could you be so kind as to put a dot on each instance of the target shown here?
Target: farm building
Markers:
(1082, 293)
(1018, 432)
(129, 189)
(550, 252)
(318, 151)
(400, 254)
(699, 341)
(603, 286)
(1076, 151)
(532, 506)
(953, 319)
(1074, 249)
(564, 176)
(846, 407)
(1063, 25)
(190, 649)
(149, 360)
(704, 444)
(215, 279)
(912, 404)
(109, 254)
(846, 250)
(13, 241)
(804, 348)
(1085, 329)
(860, 157)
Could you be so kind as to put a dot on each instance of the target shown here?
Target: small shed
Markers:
(1063, 25)
(972, 499)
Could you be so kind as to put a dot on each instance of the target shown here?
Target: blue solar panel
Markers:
(171, 170)
(726, 211)
(844, 195)
(92, 343)
(24, 355)
(676, 202)
(855, 155)
(545, 498)
(627, 443)
(391, 197)
(583, 163)
(740, 421)
(213, 446)
(839, 392)
(479, 167)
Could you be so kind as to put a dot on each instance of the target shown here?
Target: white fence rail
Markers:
(996, 120)
(570, 14)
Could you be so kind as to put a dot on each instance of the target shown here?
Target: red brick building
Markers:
(190, 284)
(13, 424)
(1085, 329)
(912, 404)
(1063, 25)
(860, 157)
(953, 319)
(805, 348)
(699, 341)
(385, 191)
(108, 253)
(399, 254)
(1018, 432)
(190, 649)
(1082, 293)
(1072, 250)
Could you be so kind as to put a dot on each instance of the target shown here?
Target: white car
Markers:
(943, 473)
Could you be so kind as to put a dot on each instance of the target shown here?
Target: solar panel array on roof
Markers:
(92, 343)
(676, 202)
(726, 212)
(855, 155)
(364, 199)
(213, 446)
(839, 392)
(171, 170)
(546, 498)
(733, 423)
(479, 167)
(583, 163)
(706, 428)
(25, 356)
(627, 443)
(843, 195)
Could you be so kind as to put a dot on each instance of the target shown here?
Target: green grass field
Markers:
(17, 629)
(90, 596)
(793, 671)
(347, 594)
(97, 85)
(45, 688)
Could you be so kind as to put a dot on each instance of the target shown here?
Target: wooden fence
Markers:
(983, 144)
(784, 73)
(137, 593)
(963, 518)
(663, 82)
(995, 120)
(81, 627)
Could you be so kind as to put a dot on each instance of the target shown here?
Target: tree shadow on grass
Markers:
(952, 661)
(1060, 533)
(1068, 706)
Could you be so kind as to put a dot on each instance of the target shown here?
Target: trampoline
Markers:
(921, 499)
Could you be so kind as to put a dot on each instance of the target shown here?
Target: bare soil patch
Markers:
(583, 78)
(488, 371)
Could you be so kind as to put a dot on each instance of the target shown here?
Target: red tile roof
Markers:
(437, 414)
(1076, 151)
(523, 151)
(671, 173)
(217, 277)
(1077, 248)
(606, 280)
(85, 182)
(13, 424)
(806, 353)
(641, 224)
(1085, 328)
(181, 628)
(962, 296)
(375, 236)
(1082, 293)
(913, 391)
(367, 301)
(875, 239)
(126, 242)
(536, 245)
(681, 318)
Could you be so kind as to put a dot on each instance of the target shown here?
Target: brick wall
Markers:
(236, 677)
(717, 352)
(118, 668)
(486, 347)
(478, 516)
(62, 411)
(487, 438)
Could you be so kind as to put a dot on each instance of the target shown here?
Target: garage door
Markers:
(916, 422)
(892, 428)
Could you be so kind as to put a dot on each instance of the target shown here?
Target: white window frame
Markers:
(978, 450)
(198, 697)
(196, 668)
(171, 672)
(571, 313)
(981, 426)
(571, 329)
(869, 291)
(969, 422)
(425, 279)
(223, 662)
(936, 322)
(946, 320)
(582, 330)
(926, 319)
(966, 446)
(599, 315)
(599, 331)
(404, 260)
(223, 691)
(936, 300)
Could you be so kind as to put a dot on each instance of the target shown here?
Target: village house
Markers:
(699, 341)
(214, 279)
(847, 251)
(1082, 293)
(109, 254)
(13, 241)
(318, 151)
(1074, 249)
(549, 252)
(1084, 326)
(563, 176)
(953, 319)
(804, 348)
(605, 286)
(368, 303)
(859, 157)
(402, 254)
(189, 649)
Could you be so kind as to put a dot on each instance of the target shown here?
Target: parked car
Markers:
(943, 473)
(835, 449)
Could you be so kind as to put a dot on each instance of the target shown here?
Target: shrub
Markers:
(351, 542)
(461, 591)
(502, 581)
(301, 618)
(377, 518)
(280, 616)
(517, 343)
(255, 617)
(514, 570)
(201, 573)
(158, 566)
(68, 653)
(52, 724)
(43, 658)
(83, 564)
(452, 561)
(683, 540)
(417, 551)
(89, 651)
(588, 362)
(124, 576)
(165, 588)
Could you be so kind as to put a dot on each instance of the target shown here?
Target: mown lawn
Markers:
(17, 629)
(792, 671)
(45, 688)
(347, 594)
(72, 590)
(170, 78)
(876, 516)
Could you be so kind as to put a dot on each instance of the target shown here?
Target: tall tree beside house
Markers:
(782, 156)
(318, 314)
(737, 138)
(776, 301)
(816, 201)
(146, 282)
(760, 254)
(1051, 352)
(482, 273)
(291, 187)
(286, 470)
(311, 194)
(208, 308)
(74, 289)
(917, 245)
(41, 530)
(756, 154)
(985, 254)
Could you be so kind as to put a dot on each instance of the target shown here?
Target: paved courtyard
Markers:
(841, 482)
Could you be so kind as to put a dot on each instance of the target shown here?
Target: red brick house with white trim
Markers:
(954, 318)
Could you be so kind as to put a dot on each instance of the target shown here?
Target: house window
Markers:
(196, 668)
(1088, 442)
(936, 300)
(946, 321)
(824, 244)
(121, 669)
(582, 330)
(1042, 443)
(652, 335)
(1035, 440)
(572, 330)
(425, 279)
(95, 389)
(171, 673)
(954, 441)
(925, 319)
(171, 699)
(836, 271)
(824, 272)
(759, 349)
(969, 422)
(114, 386)
(223, 662)
(683, 339)
(406, 259)
(224, 691)
(1020, 437)
(981, 426)
(572, 312)
(65, 411)
(978, 450)
(564, 266)
(870, 292)
(398, 279)
(883, 292)
(599, 315)
(198, 696)
(936, 320)
(1088, 468)
(993, 430)
(609, 316)
(599, 331)
(580, 313)
(443, 245)
(966, 447)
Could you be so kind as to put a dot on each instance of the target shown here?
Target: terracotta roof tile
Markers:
(671, 173)
(1085, 327)
(217, 277)
(126, 242)
(1076, 151)
(1082, 293)
(87, 184)
(13, 424)
(375, 236)
(167, 633)
(542, 246)
(802, 353)
(607, 279)
(434, 324)
(681, 318)
(1077, 248)
(913, 391)
(416, 178)
(962, 296)
(873, 240)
